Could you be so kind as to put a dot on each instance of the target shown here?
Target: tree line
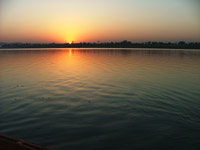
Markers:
(122, 44)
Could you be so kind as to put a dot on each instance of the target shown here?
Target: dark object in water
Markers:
(9, 143)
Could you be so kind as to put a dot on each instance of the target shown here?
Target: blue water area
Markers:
(101, 99)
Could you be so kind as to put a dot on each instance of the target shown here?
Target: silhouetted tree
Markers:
(181, 43)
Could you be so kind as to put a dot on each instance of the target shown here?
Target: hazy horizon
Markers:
(102, 42)
(36, 21)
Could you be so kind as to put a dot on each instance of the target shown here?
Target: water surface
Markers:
(101, 99)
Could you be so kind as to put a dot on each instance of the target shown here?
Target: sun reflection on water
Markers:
(70, 52)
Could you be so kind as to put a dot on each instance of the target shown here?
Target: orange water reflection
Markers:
(93, 64)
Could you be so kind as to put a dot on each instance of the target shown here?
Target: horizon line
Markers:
(103, 42)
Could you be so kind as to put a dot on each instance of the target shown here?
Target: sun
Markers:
(71, 42)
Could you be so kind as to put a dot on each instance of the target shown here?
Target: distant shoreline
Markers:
(140, 48)
(123, 44)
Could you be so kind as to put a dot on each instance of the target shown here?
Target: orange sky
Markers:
(95, 20)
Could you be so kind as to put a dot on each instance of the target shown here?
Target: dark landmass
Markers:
(9, 143)
(123, 44)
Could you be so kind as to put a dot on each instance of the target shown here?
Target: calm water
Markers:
(101, 99)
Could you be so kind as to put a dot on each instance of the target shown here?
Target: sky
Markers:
(46, 21)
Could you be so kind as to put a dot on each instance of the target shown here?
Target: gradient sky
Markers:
(99, 20)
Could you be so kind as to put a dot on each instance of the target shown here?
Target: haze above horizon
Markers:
(99, 20)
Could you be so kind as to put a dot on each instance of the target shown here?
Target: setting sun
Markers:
(71, 42)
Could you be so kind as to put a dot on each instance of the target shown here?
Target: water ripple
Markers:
(101, 99)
